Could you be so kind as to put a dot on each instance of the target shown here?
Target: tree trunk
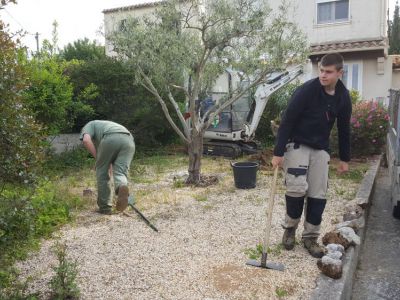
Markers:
(195, 151)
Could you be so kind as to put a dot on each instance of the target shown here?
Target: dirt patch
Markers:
(230, 278)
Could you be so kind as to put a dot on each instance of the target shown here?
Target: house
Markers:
(355, 28)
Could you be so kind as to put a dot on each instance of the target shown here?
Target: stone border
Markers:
(340, 289)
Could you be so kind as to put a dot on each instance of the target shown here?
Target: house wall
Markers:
(367, 21)
(112, 21)
(396, 80)
(376, 86)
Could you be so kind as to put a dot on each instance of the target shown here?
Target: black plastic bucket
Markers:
(245, 174)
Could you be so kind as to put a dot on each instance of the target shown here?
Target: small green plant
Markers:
(178, 183)
(281, 292)
(355, 174)
(254, 253)
(201, 198)
(277, 250)
(63, 283)
(354, 96)
(12, 288)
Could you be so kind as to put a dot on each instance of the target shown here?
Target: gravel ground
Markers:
(200, 251)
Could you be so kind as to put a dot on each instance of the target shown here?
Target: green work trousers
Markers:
(116, 149)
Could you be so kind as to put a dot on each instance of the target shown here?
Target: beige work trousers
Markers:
(306, 175)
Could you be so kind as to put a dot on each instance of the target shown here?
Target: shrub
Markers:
(49, 95)
(21, 148)
(369, 126)
(63, 283)
(368, 123)
(106, 85)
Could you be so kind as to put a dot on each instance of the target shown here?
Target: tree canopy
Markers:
(186, 45)
(83, 49)
(394, 31)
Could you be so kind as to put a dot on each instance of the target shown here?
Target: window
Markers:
(352, 76)
(331, 11)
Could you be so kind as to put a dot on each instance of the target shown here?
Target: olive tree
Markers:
(185, 45)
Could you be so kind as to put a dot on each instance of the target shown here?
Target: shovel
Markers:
(263, 263)
(131, 202)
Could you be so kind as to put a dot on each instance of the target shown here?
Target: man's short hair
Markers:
(332, 59)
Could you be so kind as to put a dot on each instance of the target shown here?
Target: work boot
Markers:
(104, 211)
(313, 247)
(122, 200)
(288, 238)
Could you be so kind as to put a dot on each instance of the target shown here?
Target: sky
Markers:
(76, 19)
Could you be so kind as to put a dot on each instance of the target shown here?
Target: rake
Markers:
(267, 229)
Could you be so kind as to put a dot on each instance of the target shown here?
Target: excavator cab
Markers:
(231, 133)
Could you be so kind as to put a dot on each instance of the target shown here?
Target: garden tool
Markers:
(270, 206)
(131, 203)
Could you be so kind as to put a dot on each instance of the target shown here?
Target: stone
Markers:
(88, 192)
(356, 224)
(335, 247)
(349, 234)
(352, 212)
(333, 237)
(335, 255)
(330, 267)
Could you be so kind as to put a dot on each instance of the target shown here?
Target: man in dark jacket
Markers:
(302, 148)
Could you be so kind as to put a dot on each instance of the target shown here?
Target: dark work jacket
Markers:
(309, 120)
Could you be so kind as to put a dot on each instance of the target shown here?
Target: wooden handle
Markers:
(270, 208)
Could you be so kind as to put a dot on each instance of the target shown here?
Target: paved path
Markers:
(378, 273)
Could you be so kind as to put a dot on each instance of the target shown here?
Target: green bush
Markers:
(83, 49)
(369, 126)
(106, 85)
(68, 161)
(368, 123)
(26, 216)
(63, 283)
(21, 146)
(49, 95)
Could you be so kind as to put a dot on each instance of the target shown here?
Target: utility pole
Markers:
(37, 42)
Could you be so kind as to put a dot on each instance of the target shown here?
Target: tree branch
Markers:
(178, 112)
(150, 87)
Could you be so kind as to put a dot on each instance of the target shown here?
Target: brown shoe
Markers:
(288, 239)
(122, 200)
(104, 211)
(313, 247)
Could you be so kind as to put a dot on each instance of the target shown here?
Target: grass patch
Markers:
(67, 162)
(150, 169)
(254, 253)
(355, 174)
(200, 197)
(281, 292)
(179, 183)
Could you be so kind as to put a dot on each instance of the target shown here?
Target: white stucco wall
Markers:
(396, 80)
(376, 85)
(367, 21)
(112, 21)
